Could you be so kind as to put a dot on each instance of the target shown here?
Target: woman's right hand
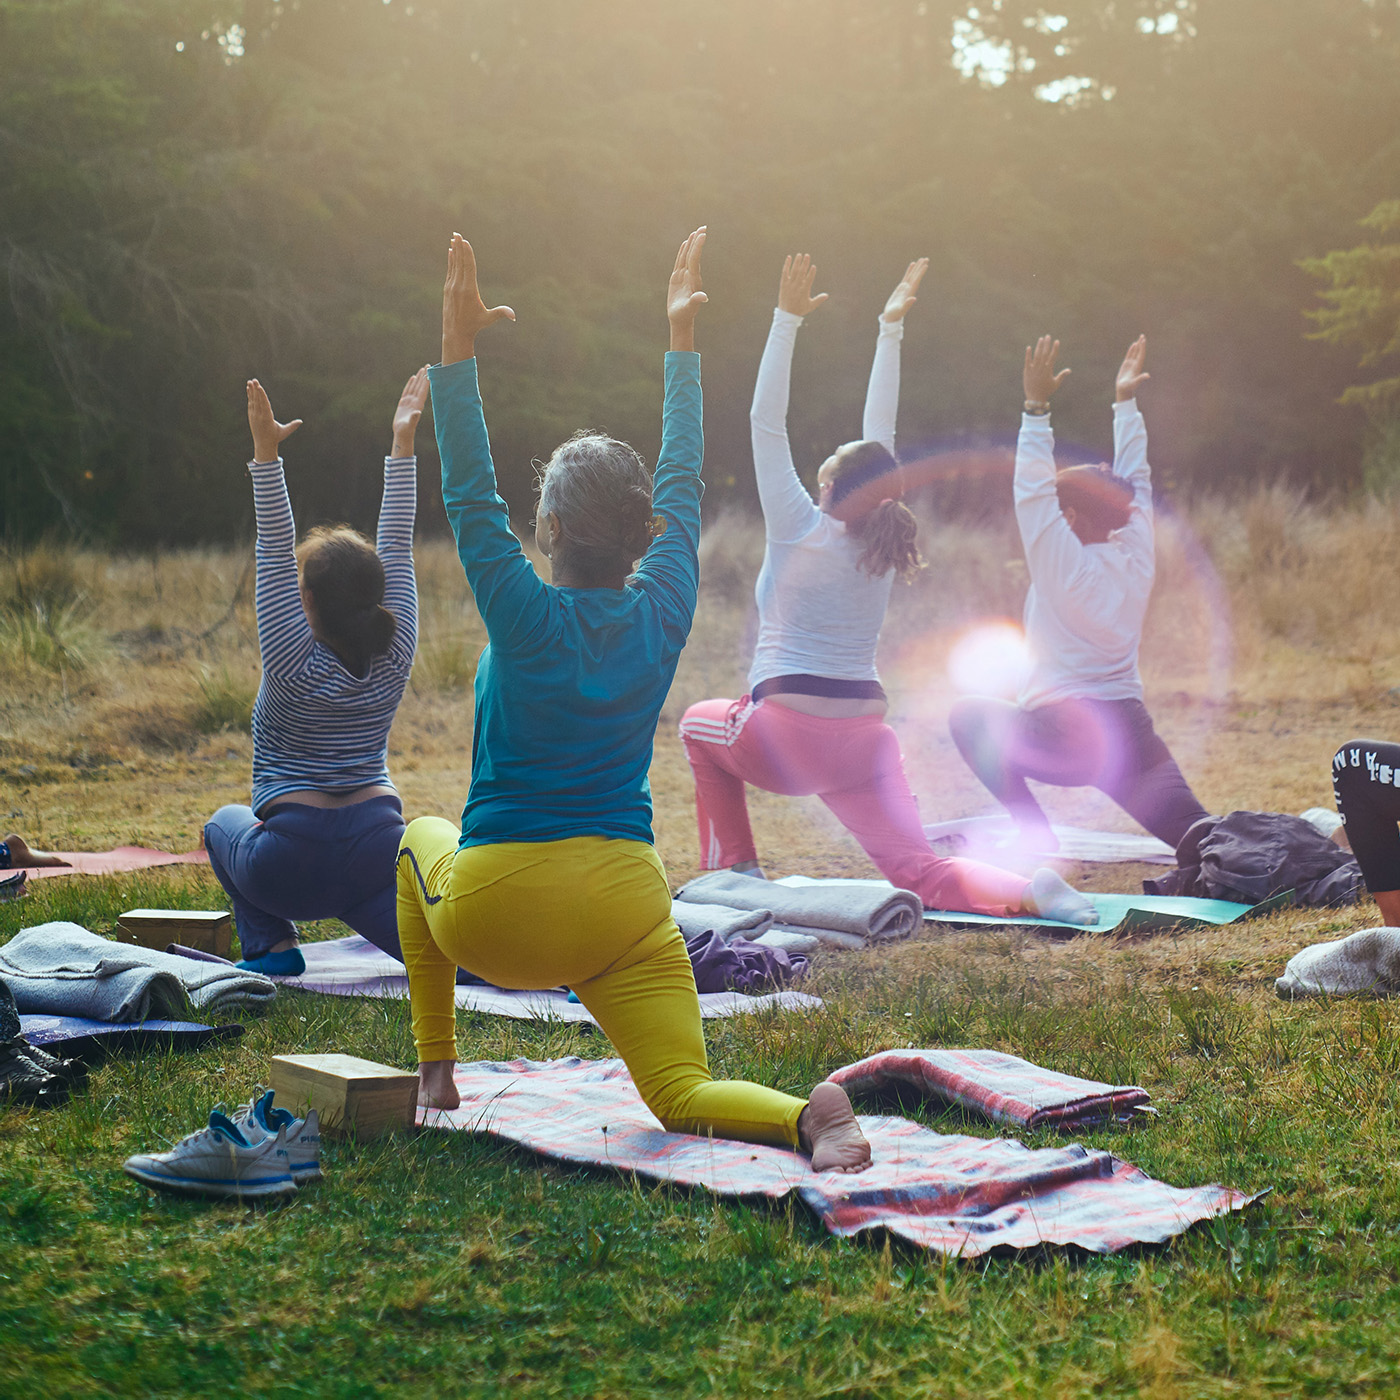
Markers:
(268, 433)
(1039, 379)
(795, 287)
(464, 314)
(904, 295)
(412, 402)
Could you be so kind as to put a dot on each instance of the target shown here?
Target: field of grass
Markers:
(444, 1264)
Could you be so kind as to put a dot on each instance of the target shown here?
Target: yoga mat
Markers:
(114, 862)
(988, 838)
(1118, 913)
(354, 967)
(78, 1037)
(959, 1195)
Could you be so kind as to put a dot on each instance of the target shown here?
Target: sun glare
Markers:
(991, 658)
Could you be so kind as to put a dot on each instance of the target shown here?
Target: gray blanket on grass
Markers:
(1363, 964)
(863, 913)
(63, 970)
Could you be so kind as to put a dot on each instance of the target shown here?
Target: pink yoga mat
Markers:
(114, 862)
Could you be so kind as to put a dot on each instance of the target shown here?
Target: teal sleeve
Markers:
(670, 570)
(510, 595)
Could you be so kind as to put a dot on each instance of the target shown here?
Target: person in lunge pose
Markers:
(813, 721)
(1366, 783)
(337, 641)
(1088, 536)
(552, 877)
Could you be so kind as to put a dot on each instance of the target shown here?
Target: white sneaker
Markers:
(259, 1118)
(218, 1161)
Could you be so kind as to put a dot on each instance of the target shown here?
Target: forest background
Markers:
(195, 191)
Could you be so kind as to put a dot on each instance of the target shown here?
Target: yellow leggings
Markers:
(589, 913)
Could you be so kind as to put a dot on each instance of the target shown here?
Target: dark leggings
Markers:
(1107, 744)
(1365, 774)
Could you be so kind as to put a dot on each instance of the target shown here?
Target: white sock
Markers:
(1057, 900)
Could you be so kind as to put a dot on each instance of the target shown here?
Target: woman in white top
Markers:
(813, 721)
(1080, 720)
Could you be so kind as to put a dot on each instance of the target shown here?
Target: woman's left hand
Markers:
(684, 296)
(903, 296)
(1130, 372)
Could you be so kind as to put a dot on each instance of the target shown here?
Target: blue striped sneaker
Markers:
(219, 1161)
(303, 1134)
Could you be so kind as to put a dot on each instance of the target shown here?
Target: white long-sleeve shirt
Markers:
(1086, 602)
(819, 612)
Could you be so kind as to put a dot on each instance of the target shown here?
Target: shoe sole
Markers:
(200, 1186)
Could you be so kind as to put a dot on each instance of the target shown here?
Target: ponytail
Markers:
(345, 578)
(888, 533)
(865, 487)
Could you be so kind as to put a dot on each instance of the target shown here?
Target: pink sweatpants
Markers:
(855, 767)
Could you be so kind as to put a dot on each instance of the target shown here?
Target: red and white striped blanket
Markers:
(959, 1195)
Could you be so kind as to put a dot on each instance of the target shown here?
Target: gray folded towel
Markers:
(875, 912)
(63, 970)
(1365, 963)
(729, 923)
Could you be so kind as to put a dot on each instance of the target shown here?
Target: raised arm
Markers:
(396, 513)
(1053, 551)
(509, 594)
(788, 510)
(670, 570)
(284, 635)
(882, 395)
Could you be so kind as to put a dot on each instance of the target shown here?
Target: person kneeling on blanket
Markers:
(553, 877)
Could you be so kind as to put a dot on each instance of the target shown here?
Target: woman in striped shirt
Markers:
(337, 639)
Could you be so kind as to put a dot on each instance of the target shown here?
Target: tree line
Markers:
(197, 191)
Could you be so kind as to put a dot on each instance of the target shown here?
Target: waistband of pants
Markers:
(818, 685)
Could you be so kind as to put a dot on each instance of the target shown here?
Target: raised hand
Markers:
(411, 404)
(1039, 378)
(1131, 372)
(795, 286)
(268, 433)
(684, 296)
(464, 314)
(903, 296)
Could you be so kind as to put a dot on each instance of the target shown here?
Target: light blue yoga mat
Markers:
(1130, 913)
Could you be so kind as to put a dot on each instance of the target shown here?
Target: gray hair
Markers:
(600, 491)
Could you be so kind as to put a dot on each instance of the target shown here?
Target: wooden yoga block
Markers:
(349, 1095)
(207, 930)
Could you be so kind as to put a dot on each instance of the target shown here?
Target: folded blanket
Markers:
(1004, 1088)
(869, 912)
(64, 970)
(962, 1196)
(727, 922)
(1364, 964)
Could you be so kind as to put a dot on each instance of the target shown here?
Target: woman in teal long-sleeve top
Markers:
(552, 878)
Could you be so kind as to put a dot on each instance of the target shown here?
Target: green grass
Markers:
(444, 1264)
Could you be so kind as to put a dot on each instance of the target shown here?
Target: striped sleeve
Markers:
(284, 635)
(395, 547)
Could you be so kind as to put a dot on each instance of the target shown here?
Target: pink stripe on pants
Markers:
(855, 767)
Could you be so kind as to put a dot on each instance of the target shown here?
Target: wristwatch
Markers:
(1037, 408)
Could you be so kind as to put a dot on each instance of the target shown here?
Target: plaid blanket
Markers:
(1004, 1088)
(959, 1195)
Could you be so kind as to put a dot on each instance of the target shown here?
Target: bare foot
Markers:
(23, 855)
(829, 1133)
(436, 1088)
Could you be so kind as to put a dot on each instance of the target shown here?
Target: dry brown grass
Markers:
(1270, 640)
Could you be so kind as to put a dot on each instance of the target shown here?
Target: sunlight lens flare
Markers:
(990, 659)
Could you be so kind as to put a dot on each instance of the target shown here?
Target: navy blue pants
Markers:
(1108, 744)
(309, 863)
